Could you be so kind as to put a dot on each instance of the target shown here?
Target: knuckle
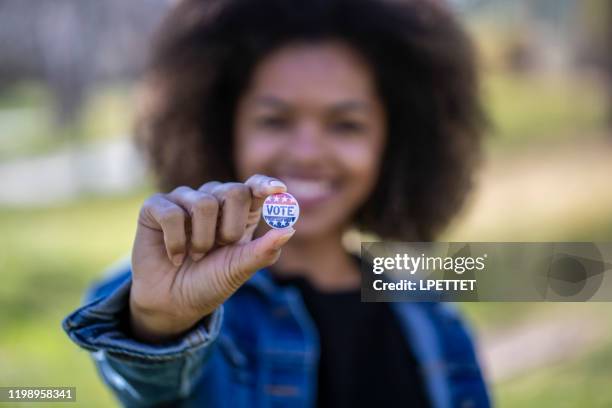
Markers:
(238, 192)
(205, 205)
(211, 185)
(201, 244)
(181, 190)
(171, 216)
(228, 234)
(255, 178)
(176, 245)
(152, 201)
(232, 235)
(150, 206)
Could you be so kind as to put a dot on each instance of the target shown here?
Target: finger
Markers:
(203, 209)
(160, 213)
(259, 253)
(242, 261)
(209, 187)
(261, 187)
(235, 201)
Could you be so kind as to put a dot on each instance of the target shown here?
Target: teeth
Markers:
(307, 189)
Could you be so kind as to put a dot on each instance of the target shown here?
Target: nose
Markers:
(307, 144)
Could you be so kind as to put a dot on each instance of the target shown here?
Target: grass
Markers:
(535, 106)
(50, 255)
(581, 383)
(525, 109)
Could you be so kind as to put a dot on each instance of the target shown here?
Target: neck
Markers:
(323, 261)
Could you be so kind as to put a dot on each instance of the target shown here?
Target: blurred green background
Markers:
(546, 177)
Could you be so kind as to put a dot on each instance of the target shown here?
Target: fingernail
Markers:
(197, 257)
(177, 259)
(277, 183)
(283, 239)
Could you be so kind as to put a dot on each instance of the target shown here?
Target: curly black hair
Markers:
(424, 67)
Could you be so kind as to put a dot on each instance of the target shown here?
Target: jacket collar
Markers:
(263, 282)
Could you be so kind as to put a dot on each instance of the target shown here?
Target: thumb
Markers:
(263, 251)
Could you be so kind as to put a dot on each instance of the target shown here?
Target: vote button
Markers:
(280, 210)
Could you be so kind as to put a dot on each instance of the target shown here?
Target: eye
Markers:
(273, 122)
(347, 127)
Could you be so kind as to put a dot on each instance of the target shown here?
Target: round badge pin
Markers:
(280, 210)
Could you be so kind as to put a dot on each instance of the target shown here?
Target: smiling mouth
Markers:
(309, 191)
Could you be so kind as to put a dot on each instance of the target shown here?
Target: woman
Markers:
(367, 112)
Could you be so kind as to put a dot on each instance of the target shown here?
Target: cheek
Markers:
(253, 154)
(361, 161)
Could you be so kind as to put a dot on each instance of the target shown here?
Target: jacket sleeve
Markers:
(139, 374)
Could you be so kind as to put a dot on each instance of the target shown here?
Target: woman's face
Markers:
(311, 117)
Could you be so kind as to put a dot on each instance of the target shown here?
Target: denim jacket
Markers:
(259, 349)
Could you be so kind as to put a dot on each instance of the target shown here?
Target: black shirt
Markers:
(365, 360)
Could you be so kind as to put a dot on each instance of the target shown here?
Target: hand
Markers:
(194, 249)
